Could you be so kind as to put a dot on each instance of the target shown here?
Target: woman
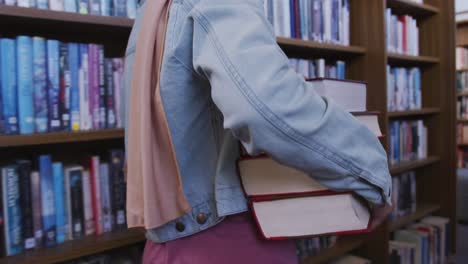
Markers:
(201, 76)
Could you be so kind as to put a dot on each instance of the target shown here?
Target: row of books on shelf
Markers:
(408, 141)
(315, 20)
(404, 194)
(51, 86)
(46, 203)
(462, 157)
(319, 68)
(309, 247)
(402, 34)
(462, 81)
(421, 243)
(461, 58)
(120, 8)
(403, 88)
(462, 107)
(462, 133)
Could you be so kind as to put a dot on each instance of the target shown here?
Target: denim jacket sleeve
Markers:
(270, 108)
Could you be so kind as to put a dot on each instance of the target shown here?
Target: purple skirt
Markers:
(235, 240)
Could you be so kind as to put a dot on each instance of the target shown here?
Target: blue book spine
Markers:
(41, 111)
(25, 85)
(341, 70)
(53, 71)
(65, 82)
(120, 8)
(74, 64)
(106, 7)
(1, 91)
(304, 13)
(48, 200)
(12, 210)
(334, 20)
(131, 8)
(70, 6)
(59, 194)
(43, 4)
(417, 87)
(9, 86)
(292, 17)
(95, 7)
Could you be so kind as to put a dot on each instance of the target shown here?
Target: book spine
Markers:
(85, 119)
(3, 216)
(95, 7)
(83, 7)
(10, 2)
(41, 111)
(65, 83)
(93, 64)
(25, 85)
(48, 200)
(43, 4)
(12, 210)
(119, 107)
(102, 88)
(120, 8)
(67, 204)
(74, 63)
(105, 197)
(96, 194)
(53, 84)
(24, 174)
(9, 85)
(60, 214)
(106, 7)
(77, 205)
(87, 204)
(56, 5)
(24, 3)
(117, 188)
(131, 8)
(70, 6)
(110, 103)
(36, 207)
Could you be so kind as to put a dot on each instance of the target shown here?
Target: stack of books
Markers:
(462, 109)
(403, 89)
(424, 242)
(402, 34)
(404, 194)
(461, 58)
(408, 141)
(46, 203)
(319, 68)
(51, 86)
(315, 20)
(121, 8)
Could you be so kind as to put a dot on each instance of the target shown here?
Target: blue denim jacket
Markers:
(224, 79)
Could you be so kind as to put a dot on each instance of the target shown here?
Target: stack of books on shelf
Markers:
(462, 69)
(424, 242)
(402, 34)
(403, 89)
(404, 194)
(51, 86)
(120, 8)
(408, 141)
(46, 203)
(462, 109)
(319, 68)
(315, 20)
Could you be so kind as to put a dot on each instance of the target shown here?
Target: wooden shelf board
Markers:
(78, 248)
(409, 60)
(462, 120)
(419, 112)
(462, 70)
(414, 164)
(405, 7)
(343, 245)
(460, 94)
(60, 137)
(422, 211)
(311, 48)
(462, 144)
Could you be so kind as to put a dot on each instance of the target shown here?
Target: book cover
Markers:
(9, 86)
(131, 8)
(70, 6)
(36, 207)
(105, 197)
(117, 186)
(75, 175)
(95, 7)
(10, 2)
(118, 93)
(93, 79)
(65, 83)
(87, 204)
(110, 99)
(96, 193)
(106, 6)
(26, 202)
(56, 5)
(48, 200)
(12, 210)
(74, 65)
(59, 194)
(25, 85)
(53, 84)
(25, 3)
(102, 88)
(85, 114)
(120, 8)
(43, 4)
(41, 111)
(83, 7)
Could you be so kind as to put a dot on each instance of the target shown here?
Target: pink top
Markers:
(233, 241)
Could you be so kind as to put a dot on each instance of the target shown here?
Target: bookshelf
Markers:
(366, 60)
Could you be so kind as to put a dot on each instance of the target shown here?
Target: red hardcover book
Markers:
(96, 193)
(287, 203)
(403, 19)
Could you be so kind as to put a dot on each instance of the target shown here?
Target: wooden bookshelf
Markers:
(422, 211)
(462, 94)
(78, 248)
(405, 7)
(343, 245)
(412, 165)
(414, 113)
(410, 60)
(312, 48)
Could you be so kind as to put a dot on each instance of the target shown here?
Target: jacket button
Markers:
(180, 227)
(201, 218)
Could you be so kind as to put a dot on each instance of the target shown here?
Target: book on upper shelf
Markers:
(403, 89)
(402, 34)
(408, 141)
(274, 189)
